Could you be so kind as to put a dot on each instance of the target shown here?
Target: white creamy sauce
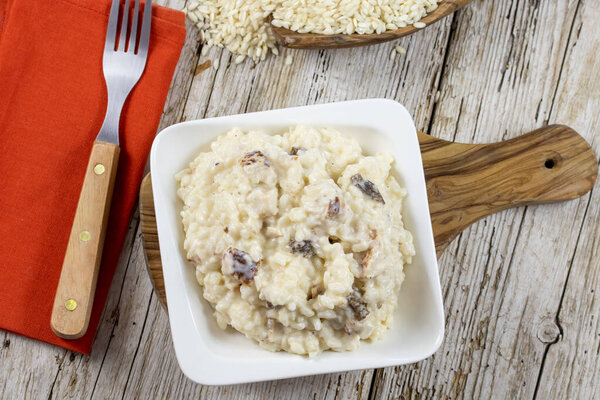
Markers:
(297, 238)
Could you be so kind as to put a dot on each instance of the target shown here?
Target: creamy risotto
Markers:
(297, 238)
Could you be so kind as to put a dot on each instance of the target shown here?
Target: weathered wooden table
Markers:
(520, 287)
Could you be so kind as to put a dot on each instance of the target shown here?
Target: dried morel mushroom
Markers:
(367, 187)
(240, 264)
(358, 305)
(295, 150)
(254, 157)
(304, 247)
(334, 207)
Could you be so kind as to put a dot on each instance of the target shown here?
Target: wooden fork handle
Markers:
(466, 182)
(75, 293)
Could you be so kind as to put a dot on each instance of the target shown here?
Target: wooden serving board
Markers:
(465, 182)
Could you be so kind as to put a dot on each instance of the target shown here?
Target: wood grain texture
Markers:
(572, 361)
(465, 182)
(77, 284)
(296, 40)
(521, 315)
(502, 278)
(468, 182)
(150, 238)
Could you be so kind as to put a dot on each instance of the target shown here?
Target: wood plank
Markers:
(502, 277)
(36, 370)
(27, 368)
(77, 374)
(572, 359)
(156, 374)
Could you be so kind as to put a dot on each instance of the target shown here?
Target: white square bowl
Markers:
(211, 356)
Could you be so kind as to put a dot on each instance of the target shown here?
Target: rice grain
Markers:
(243, 28)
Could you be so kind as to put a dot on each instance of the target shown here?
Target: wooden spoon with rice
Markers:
(289, 38)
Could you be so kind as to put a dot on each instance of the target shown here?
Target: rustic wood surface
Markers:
(465, 182)
(520, 287)
(295, 40)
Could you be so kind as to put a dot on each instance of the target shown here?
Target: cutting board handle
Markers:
(466, 182)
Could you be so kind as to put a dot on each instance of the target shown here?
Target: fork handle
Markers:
(75, 293)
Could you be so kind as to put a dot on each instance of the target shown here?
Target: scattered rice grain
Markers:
(400, 50)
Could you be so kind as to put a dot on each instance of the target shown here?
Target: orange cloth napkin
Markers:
(52, 104)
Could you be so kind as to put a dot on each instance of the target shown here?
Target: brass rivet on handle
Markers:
(71, 304)
(99, 169)
(84, 236)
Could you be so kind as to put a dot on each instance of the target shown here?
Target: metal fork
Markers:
(123, 66)
(122, 69)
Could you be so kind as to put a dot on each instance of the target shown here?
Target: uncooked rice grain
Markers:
(242, 27)
(400, 50)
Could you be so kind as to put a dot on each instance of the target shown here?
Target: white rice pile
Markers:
(242, 27)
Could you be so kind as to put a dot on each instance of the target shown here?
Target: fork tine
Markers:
(124, 23)
(145, 34)
(133, 34)
(113, 21)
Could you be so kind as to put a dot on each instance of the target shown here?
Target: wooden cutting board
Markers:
(465, 182)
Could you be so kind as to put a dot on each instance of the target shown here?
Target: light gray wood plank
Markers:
(502, 278)
(572, 363)
(27, 368)
(32, 369)
(317, 76)
(156, 374)
(77, 373)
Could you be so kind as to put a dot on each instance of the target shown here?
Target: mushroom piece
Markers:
(358, 305)
(304, 247)
(334, 207)
(254, 157)
(295, 150)
(366, 259)
(239, 264)
(367, 187)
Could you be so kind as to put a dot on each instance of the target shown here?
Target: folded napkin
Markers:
(52, 104)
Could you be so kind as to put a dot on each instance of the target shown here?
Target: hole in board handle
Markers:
(549, 164)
